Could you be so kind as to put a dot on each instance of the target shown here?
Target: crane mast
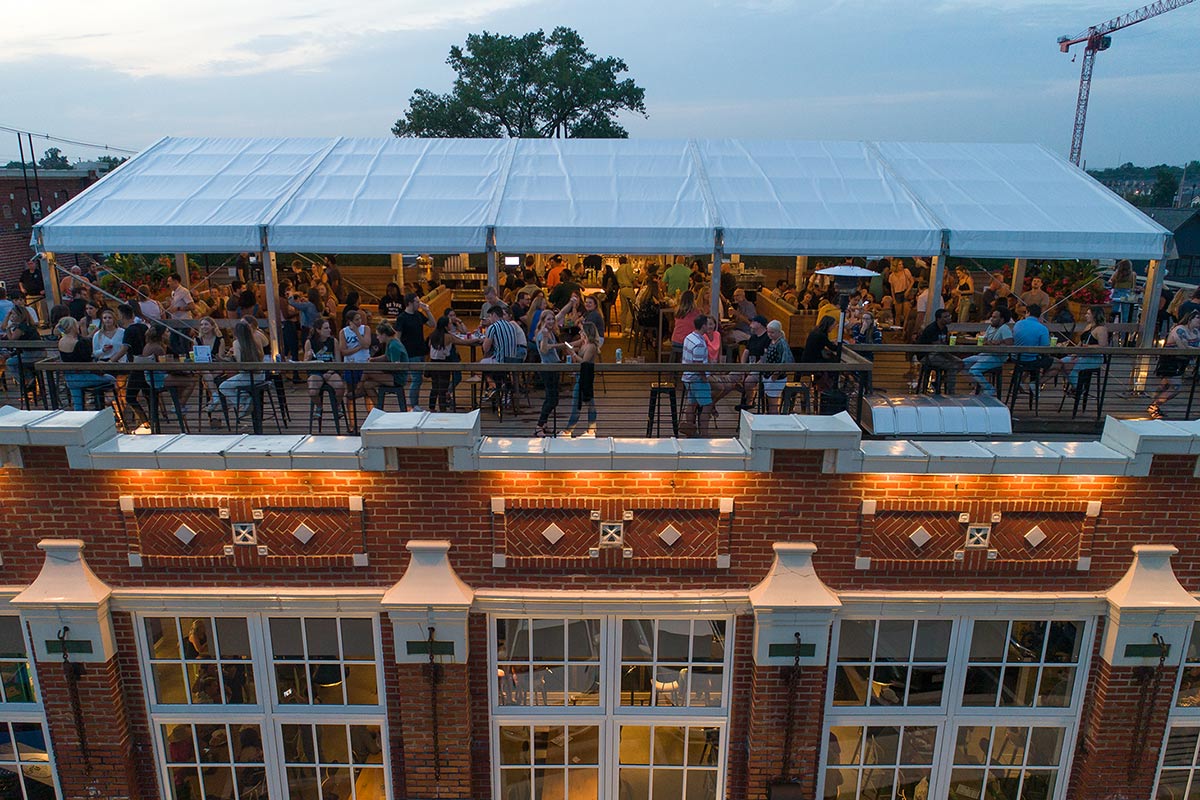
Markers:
(1095, 39)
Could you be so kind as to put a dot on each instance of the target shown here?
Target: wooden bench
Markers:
(796, 323)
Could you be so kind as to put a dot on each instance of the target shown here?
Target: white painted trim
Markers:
(624, 603)
(288, 601)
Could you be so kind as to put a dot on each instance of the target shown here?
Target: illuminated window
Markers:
(545, 761)
(617, 707)
(26, 771)
(334, 762)
(881, 761)
(666, 762)
(672, 662)
(325, 661)
(548, 662)
(1006, 762)
(200, 660)
(215, 760)
(1022, 663)
(895, 662)
(16, 681)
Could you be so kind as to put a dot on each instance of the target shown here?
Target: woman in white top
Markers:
(108, 343)
(246, 349)
(354, 346)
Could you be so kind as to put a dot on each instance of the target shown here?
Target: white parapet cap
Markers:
(66, 581)
(430, 581)
(91, 440)
(1150, 583)
(792, 581)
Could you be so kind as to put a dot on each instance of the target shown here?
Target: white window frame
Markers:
(609, 715)
(30, 712)
(1179, 717)
(267, 713)
(951, 715)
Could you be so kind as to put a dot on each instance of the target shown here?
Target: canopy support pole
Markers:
(1155, 274)
(1018, 278)
(718, 257)
(181, 269)
(493, 273)
(937, 277)
(53, 292)
(801, 271)
(271, 279)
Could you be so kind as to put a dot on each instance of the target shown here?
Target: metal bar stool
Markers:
(654, 412)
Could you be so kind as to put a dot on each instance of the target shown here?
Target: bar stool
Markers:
(654, 412)
(995, 376)
(259, 394)
(316, 406)
(1083, 387)
(931, 378)
(382, 392)
(792, 390)
(1022, 369)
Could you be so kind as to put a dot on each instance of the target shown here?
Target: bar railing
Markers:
(1111, 381)
(632, 399)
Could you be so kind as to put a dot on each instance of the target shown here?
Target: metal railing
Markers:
(1108, 381)
(631, 399)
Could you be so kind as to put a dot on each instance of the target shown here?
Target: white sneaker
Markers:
(417, 409)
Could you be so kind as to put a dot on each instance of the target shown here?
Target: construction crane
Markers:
(1095, 39)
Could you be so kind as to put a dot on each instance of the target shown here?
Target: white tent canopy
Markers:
(641, 195)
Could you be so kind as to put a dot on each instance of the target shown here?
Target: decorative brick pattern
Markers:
(524, 521)
(886, 535)
(154, 520)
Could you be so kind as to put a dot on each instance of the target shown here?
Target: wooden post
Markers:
(801, 270)
(181, 269)
(50, 278)
(1155, 274)
(937, 276)
(398, 266)
(718, 256)
(1018, 278)
(493, 271)
(271, 279)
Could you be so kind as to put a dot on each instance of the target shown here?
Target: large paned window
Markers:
(894, 662)
(201, 660)
(609, 706)
(1179, 767)
(262, 706)
(26, 762)
(1022, 663)
(960, 707)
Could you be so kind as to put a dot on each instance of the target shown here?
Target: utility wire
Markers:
(48, 137)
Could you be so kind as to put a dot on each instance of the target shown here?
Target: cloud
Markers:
(145, 38)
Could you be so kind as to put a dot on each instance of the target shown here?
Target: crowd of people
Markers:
(542, 312)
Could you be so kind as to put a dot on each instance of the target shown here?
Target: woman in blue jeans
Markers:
(76, 349)
(587, 353)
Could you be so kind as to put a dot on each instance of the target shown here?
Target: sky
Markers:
(127, 72)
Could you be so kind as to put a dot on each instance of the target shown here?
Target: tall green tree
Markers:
(531, 86)
(54, 159)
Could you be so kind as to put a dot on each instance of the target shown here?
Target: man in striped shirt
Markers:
(500, 343)
(699, 401)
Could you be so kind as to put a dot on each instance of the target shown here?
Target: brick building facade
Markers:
(23, 202)
(401, 616)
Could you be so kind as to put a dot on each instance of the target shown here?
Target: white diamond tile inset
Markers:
(185, 534)
(553, 533)
(303, 533)
(920, 537)
(670, 535)
(1035, 536)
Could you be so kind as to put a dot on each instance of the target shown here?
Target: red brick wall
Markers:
(110, 769)
(795, 503)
